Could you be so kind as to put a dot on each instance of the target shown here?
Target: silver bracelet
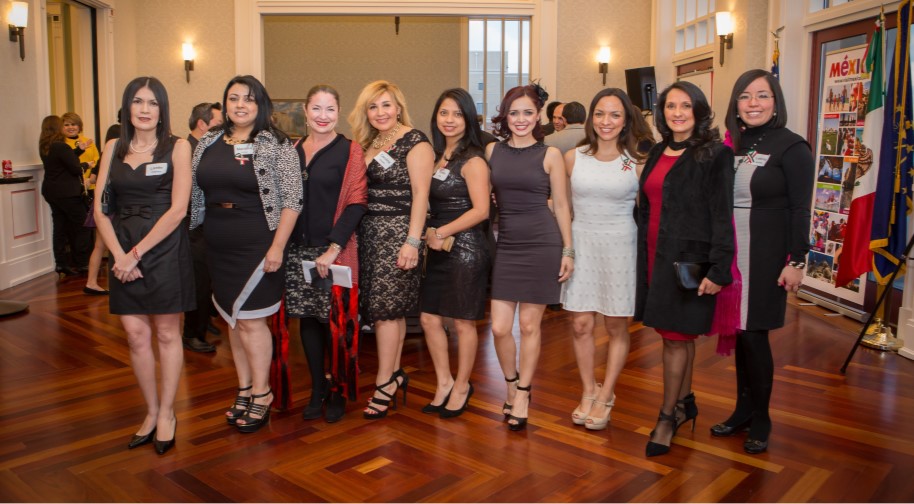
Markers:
(568, 252)
(796, 264)
(413, 242)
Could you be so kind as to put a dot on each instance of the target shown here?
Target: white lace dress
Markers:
(605, 236)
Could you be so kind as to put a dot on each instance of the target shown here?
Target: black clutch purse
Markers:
(325, 284)
(690, 274)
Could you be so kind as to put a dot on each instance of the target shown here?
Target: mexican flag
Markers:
(856, 257)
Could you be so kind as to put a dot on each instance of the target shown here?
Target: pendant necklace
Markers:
(750, 154)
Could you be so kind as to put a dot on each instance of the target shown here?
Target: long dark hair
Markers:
(633, 133)
(500, 121)
(732, 121)
(163, 128)
(50, 133)
(264, 119)
(703, 136)
(471, 143)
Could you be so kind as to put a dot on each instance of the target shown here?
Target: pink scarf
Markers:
(727, 312)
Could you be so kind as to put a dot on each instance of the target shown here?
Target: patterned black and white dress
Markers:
(387, 292)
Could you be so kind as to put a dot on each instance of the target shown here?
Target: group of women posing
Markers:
(271, 204)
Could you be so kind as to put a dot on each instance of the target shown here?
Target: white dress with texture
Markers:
(605, 236)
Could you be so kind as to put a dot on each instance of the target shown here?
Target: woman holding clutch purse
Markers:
(457, 267)
(775, 174)
(686, 215)
(335, 194)
(603, 172)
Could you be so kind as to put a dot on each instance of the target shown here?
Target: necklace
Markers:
(231, 141)
(144, 151)
(750, 154)
(380, 141)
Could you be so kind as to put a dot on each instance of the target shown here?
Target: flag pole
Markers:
(879, 303)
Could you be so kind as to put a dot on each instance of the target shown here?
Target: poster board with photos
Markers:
(845, 90)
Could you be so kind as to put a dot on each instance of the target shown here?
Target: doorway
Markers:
(73, 62)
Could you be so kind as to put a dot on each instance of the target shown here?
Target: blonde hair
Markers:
(72, 118)
(362, 131)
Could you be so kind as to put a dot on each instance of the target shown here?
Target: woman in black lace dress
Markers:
(400, 162)
(455, 280)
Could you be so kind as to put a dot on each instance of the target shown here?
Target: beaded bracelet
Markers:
(568, 252)
(413, 242)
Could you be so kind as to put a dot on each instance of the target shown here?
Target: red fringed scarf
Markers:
(344, 330)
(280, 373)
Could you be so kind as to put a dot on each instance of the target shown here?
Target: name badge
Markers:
(156, 169)
(384, 160)
(244, 150)
(757, 159)
(441, 174)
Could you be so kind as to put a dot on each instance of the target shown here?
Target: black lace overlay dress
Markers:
(455, 282)
(386, 291)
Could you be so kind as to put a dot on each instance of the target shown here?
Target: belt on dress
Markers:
(141, 211)
(228, 205)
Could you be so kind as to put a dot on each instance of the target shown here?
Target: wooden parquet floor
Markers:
(70, 403)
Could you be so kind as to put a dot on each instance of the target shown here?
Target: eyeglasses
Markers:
(760, 97)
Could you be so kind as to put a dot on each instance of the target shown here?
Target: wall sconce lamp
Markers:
(19, 19)
(603, 59)
(724, 23)
(187, 50)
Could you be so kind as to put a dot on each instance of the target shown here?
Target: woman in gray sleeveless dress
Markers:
(533, 254)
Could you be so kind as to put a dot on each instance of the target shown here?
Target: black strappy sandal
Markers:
(241, 405)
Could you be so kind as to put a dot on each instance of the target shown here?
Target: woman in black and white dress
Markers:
(248, 187)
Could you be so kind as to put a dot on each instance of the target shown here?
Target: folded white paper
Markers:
(342, 275)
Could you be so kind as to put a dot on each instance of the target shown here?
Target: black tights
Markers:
(315, 336)
(754, 378)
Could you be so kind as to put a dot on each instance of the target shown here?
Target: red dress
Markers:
(653, 188)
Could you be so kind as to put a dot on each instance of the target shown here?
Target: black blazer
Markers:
(63, 175)
(696, 224)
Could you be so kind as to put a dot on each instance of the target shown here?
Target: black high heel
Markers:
(240, 406)
(402, 384)
(689, 408)
(755, 446)
(336, 407)
(507, 407)
(724, 430)
(318, 396)
(136, 441)
(446, 413)
(252, 424)
(163, 446)
(521, 421)
(434, 409)
(390, 402)
(653, 449)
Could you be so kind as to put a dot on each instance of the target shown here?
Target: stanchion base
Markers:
(881, 342)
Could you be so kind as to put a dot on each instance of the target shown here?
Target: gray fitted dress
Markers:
(528, 253)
